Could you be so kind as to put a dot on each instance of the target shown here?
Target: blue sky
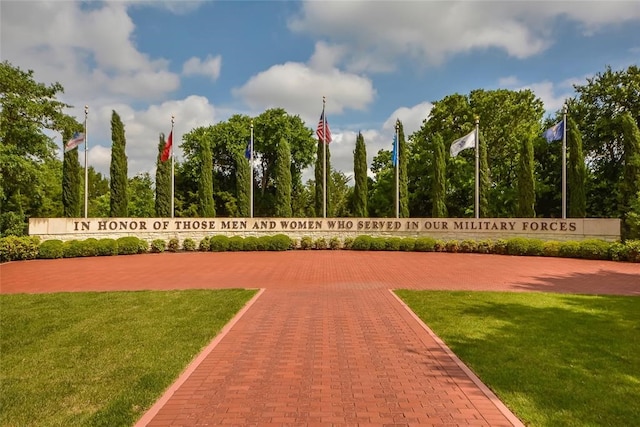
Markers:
(375, 61)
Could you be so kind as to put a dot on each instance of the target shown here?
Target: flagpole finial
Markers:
(86, 110)
(477, 118)
(251, 123)
(564, 108)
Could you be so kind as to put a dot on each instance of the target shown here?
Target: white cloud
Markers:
(553, 95)
(375, 34)
(94, 57)
(210, 67)
(411, 118)
(299, 89)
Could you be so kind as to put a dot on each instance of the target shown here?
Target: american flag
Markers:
(323, 131)
(77, 139)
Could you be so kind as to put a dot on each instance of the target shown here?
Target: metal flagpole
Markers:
(251, 164)
(397, 161)
(173, 180)
(477, 201)
(564, 161)
(86, 168)
(324, 160)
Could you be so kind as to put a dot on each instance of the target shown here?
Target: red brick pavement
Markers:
(326, 343)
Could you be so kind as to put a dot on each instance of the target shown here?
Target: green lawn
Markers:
(553, 359)
(71, 359)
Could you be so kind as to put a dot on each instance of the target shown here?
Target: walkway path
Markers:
(326, 342)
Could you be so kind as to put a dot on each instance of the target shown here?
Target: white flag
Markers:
(467, 141)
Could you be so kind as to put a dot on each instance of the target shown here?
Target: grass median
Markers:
(553, 359)
(101, 358)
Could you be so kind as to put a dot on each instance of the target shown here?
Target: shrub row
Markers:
(24, 248)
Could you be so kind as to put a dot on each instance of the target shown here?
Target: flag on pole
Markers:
(166, 151)
(77, 139)
(394, 153)
(247, 151)
(467, 141)
(323, 131)
(555, 132)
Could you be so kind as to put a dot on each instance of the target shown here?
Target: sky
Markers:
(373, 61)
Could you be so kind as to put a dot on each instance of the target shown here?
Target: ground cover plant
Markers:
(101, 358)
(553, 359)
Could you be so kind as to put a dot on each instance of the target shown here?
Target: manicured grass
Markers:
(70, 359)
(553, 359)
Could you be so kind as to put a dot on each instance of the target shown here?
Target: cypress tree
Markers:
(118, 183)
(526, 186)
(206, 205)
(283, 179)
(403, 158)
(485, 179)
(243, 185)
(577, 172)
(70, 181)
(630, 185)
(360, 191)
(320, 185)
(439, 178)
(163, 183)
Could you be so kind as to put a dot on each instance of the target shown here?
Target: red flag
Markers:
(323, 131)
(166, 151)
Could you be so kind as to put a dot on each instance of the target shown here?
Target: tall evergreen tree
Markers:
(577, 172)
(283, 180)
(630, 186)
(119, 180)
(526, 183)
(403, 159)
(243, 185)
(206, 205)
(320, 177)
(163, 183)
(360, 171)
(70, 181)
(485, 178)
(439, 178)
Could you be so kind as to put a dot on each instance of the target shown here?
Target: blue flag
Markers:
(247, 152)
(394, 153)
(555, 132)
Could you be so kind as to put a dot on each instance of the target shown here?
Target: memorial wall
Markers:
(296, 228)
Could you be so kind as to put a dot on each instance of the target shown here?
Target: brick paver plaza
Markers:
(325, 342)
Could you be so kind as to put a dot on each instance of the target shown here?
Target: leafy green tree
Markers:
(577, 172)
(283, 180)
(162, 206)
(207, 208)
(141, 197)
(439, 179)
(341, 195)
(450, 118)
(485, 177)
(320, 180)
(269, 127)
(28, 110)
(70, 181)
(526, 183)
(243, 185)
(118, 183)
(630, 185)
(595, 108)
(360, 171)
(381, 195)
(403, 158)
(506, 119)
(99, 194)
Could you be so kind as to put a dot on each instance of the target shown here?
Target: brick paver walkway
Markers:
(325, 342)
